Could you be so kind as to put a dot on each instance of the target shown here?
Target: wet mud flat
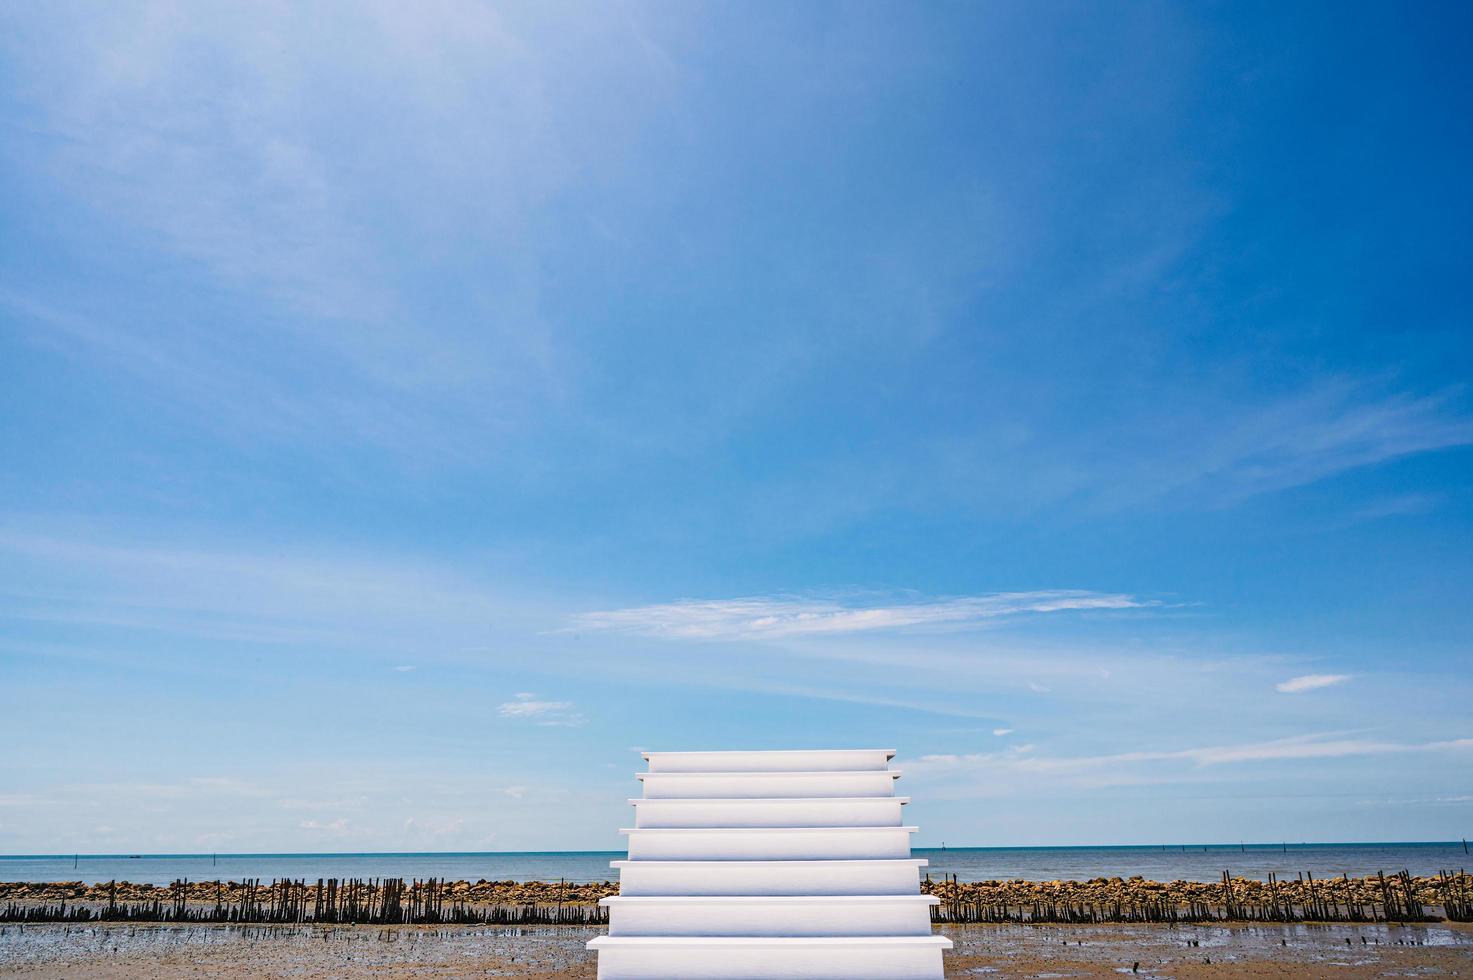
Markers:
(118, 950)
(1259, 950)
(996, 952)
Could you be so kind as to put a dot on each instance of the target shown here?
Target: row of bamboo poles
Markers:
(1332, 900)
(393, 901)
(374, 901)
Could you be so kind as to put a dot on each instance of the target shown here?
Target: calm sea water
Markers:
(1195, 862)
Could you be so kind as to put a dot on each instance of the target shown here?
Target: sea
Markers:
(1166, 862)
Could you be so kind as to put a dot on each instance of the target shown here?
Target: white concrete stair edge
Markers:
(786, 760)
(767, 843)
(790, 813)
(767, 785)
(867, 876)
(773, 916)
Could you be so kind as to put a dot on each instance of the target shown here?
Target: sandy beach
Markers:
(113, 952)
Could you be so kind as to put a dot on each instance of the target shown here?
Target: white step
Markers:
(890, 877)
(845, 915)
(766, 785)
(718, 958)
(799, 760)
(769, 843)
(825, 812)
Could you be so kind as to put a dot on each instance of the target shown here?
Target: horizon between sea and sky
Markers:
(411, 413)
(1188, 862)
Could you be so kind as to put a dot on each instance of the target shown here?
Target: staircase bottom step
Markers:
(818, 958)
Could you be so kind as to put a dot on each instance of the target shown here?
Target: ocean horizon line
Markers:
(1208, 846)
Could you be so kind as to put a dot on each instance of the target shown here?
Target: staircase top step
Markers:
(772, 752)
(760, 774)
(775, 862)
(764, 830)
(684, 800)
(769, 760)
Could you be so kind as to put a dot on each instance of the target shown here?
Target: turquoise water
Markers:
(1198, 862)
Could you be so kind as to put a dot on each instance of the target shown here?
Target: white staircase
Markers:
(757, 865)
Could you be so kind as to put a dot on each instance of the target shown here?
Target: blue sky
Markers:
(411, 411)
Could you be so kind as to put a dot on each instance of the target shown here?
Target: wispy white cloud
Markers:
(338, 826)
(1463, 799)
(528, 706)
(993, 769)
(1308, 748)
(1329, 427)
(1218, 446)
(80, 574)
(1400, 505)
(19, 799)
(1310, 682)
(229, 170)
(782, 616)
(433, 828)
(999, 732)
(358, 807)
(333, 803)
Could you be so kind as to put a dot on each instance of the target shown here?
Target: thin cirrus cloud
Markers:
(237, 181)
(1131, 766)
(1310, 682)
(781, 616)
(1327, 428)
(526, 706)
